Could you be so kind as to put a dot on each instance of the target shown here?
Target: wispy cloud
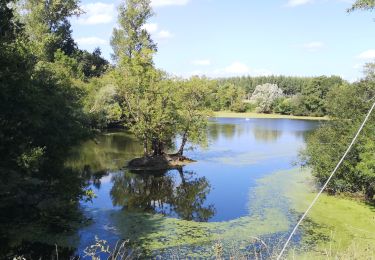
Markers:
(151, 27)
(97, 13)
(157, 3)
(367, 55)
(313, 46)
(204, 62)
(164, 34)
(294, 3)
(238, 68)
(91, 41)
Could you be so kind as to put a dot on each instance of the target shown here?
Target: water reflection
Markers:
(266, 135)
(218, 130)
(183, 196)
(107, 152)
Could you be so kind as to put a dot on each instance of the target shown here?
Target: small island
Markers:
(158, 162)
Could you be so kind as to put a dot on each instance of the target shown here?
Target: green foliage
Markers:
(362, 5)
(289, 85)
(146, 99)
(283, 106)
(156, 108)
(346, 105)
(103, 103)
(226, 97)
(41, 118)
(191, 99)
(48, 28)
(131, 38)
(91, 64)
(315, 92)
(305, 96)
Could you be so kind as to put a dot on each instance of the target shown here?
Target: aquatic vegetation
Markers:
(268, 218)
(337, 226)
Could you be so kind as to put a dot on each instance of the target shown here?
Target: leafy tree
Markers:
(145, 98)
(192, 113)
(131, 42)
(346, 105)
(47, 26)
(315, 92)
(155, 107)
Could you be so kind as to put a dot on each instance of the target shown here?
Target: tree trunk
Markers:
(183, 143)
(369, 194)
(145, 152)
(157, 147)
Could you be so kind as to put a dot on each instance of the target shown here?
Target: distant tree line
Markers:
(300, 96)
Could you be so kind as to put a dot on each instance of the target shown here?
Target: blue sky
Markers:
(248, 37)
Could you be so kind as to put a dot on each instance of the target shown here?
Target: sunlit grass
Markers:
(229, 114)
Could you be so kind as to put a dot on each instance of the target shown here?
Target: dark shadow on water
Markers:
(45, 212)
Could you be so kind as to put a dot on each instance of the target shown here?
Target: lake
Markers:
(233, 196)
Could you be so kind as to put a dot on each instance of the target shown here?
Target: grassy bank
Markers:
(343, 228)
(229, 114)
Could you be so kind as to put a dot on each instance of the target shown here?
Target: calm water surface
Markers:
(219, 190)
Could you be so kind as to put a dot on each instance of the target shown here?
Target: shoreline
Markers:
(227, 114)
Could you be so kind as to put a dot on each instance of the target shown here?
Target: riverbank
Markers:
(228, 114)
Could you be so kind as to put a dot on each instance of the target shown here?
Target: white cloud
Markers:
(237, 68)
(367, 55)
(151, 27)
(313, 46)
(156, 3)
(91, 41)
(164, 34)
(97, 13)
(294, 3)
(205, 62)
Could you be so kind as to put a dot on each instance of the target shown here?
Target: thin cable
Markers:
(326, 183)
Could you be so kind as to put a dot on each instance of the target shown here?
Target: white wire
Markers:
(326, 183)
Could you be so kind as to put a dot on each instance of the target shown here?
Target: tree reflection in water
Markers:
(181, 195)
